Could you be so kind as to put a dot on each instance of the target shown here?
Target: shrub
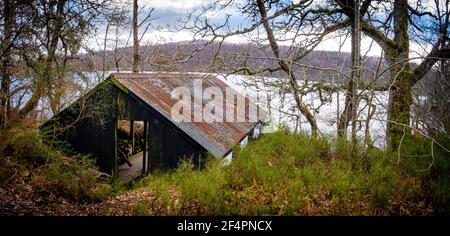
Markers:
(432, 168)
(291, 174)
(50, 171)
(140, 209)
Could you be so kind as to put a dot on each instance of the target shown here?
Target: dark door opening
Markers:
(131, 149)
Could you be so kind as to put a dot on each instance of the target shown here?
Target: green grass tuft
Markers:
(293, 174)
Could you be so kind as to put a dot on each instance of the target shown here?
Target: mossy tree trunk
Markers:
(5, 65)
(400, 97)
(400, 101)
(402, 77)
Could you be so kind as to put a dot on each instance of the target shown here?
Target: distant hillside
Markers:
(230, 54)
(233, 54)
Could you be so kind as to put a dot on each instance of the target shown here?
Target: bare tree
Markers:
(135, 37)
(118, 19)
(47, 35)
(397, 50)
(293, 82)
(8, 13)
(287, 22)
(351, 99)
(145, 21)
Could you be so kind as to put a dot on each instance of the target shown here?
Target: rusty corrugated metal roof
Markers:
(155, 89)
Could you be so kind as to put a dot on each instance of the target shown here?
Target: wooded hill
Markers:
(319, 65)
(157, 56)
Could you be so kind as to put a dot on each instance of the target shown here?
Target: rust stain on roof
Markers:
(216, 137)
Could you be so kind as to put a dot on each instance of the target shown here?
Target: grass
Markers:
(279, 174)
(292, 174)
(433, 171)
(26, 160)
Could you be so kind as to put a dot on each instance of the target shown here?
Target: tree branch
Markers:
(428, 62)
(384, 42)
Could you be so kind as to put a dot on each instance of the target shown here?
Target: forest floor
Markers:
(19, 198)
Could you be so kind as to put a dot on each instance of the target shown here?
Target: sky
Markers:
(166, 13)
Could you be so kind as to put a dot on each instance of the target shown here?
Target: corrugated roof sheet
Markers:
(155, 89)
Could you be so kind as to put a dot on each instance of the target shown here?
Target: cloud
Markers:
(167, 12)
(157, 37)
(178, 5)
(337, 42)
(165, 16)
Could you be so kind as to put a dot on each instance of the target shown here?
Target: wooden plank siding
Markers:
(167, 142)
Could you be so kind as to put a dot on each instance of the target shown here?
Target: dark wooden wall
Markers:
(167, 144)
(98, 140)
(88, 126)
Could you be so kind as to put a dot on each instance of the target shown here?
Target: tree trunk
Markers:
(400, 100)
(135, 37)
(400, 97)
(346, 115)
(370, 113)
(46, 81)
(5, 67)
(105, 41)
(351, 100)
(356, 71)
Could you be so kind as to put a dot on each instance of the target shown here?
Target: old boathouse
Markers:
(125, 123)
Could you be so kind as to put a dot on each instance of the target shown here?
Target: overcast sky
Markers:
(166, 13)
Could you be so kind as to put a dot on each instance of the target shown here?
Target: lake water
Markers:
(281, 107)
